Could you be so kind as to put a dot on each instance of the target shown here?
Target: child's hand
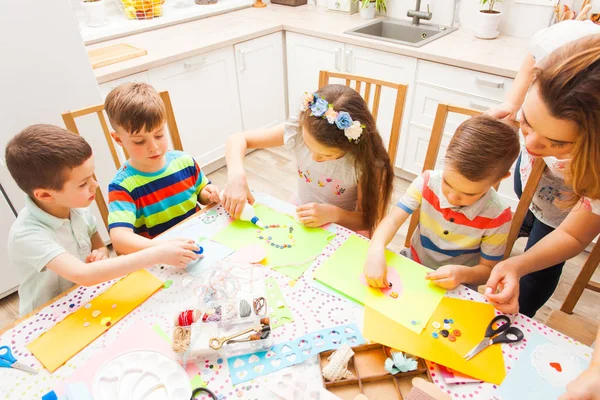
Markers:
(586, 386)
(177, 253)
(97, 255)
(375, 268)
(211, 192)
(315, 214)
(447, 276)
(235, 195)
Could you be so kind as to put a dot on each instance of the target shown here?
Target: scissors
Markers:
(502, 334)
(7, 360)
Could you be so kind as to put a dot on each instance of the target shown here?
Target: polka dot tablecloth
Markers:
(312, 309)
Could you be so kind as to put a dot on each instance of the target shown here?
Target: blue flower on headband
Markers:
(343, 120)
(319, 107)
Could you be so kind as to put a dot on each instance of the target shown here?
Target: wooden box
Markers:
(370, 376)
(293, 3)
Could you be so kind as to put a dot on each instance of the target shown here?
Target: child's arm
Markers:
(99, 251)
(237, 192)
(125, 241)
(570, 238)
(450, 276)
(587, 385)
(175, 253)
(518, 91)
(375, 268)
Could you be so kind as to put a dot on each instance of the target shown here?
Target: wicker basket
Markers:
(141, 9)
(293, 3)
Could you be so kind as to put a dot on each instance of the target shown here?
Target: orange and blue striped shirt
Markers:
(151, 203)
(448, 234)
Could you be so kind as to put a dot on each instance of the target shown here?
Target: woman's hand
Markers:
(235, 196)
(316, 214)
(505, 110)
(502, 289)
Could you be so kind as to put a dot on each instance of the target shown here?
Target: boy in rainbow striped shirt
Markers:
(463, 226)
(156, 188)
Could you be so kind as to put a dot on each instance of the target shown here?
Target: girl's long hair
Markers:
(569, 84)
(372, 160)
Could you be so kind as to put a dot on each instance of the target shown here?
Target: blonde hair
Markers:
(568, 81)
(135, 106)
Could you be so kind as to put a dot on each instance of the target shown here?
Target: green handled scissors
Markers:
(7, 360)
(502, 334)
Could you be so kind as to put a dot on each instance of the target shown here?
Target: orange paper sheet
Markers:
(470, 317)
(70, 336)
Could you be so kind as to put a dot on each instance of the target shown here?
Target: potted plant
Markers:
(94, 12)
(368, 8)
(488, 20)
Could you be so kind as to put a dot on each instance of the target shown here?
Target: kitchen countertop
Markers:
(502, 56)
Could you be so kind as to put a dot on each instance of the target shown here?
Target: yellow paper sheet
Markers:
(70, 336)
(470, 317)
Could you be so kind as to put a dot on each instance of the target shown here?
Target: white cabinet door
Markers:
(306, 56)
(106, 87)
(204, 93)
(388, 67)
(10, 279)
(260, 80)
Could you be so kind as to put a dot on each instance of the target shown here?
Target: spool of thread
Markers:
(245, 309)
(181, 339)
(187, 318)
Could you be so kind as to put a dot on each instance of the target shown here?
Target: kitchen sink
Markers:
(401, 32)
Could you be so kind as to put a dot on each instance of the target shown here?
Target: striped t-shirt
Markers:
(151, 203)
(447, 234)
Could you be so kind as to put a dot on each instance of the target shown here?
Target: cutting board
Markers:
(112, 54)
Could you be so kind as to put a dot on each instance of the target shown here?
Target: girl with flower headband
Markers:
(344, 171)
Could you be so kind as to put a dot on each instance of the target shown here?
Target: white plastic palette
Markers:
(141, 375)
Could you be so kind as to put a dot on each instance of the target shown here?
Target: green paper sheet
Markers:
(417, 297)
(280, 313)
(293, 261)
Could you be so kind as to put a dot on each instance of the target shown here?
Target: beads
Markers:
(269, 239)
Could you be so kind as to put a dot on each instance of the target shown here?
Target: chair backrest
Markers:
(69, 120)
(433, 149)
(369, 83)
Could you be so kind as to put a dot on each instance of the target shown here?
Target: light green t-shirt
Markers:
(35, 239)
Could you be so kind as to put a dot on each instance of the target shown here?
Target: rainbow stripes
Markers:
(151, 203)
(452, 235)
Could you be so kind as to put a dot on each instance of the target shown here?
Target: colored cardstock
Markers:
(470, 318)
(542, 371)
(283, 355)
(306, 243)
(67, 338)
(280, 313)
(416, 298)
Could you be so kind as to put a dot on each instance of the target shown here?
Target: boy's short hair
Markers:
(134, 106)
(41, 156)
(483, 147)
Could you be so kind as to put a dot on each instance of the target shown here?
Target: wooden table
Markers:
(312, 309)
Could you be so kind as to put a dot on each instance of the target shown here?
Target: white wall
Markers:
(44, 71)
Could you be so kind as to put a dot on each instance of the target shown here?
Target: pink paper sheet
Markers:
(139, 337)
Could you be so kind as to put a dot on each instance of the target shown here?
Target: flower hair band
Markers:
(320, 108)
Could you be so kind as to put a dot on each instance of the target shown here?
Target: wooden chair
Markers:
(583, 280)
(392, 147)
(575, 326)
(437, 133)
(69, 120)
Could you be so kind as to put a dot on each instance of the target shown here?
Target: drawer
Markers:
(465, 81)
(427, 98)
(342, 5)
(416, 149)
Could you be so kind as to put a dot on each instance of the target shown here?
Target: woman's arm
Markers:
(516, 96)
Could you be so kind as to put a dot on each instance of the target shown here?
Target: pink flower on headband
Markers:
(307, 101)
(331, 115)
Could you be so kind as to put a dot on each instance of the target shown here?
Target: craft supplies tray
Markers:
(370, 377)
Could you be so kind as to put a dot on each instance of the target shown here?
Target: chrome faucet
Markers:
(418, 15)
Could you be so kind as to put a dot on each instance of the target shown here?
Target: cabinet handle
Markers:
(338, 56)
(348, 61)
(479, 107)
(200, 63)
(241, 60)
(483, 82)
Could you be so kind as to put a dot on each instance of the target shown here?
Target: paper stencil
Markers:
(542, 371)
(306, 243)
(417, 298)
(282, 355)
(280, 313)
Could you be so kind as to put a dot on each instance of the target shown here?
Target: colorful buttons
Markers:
(452, 338)
(435, 335)
(394, 295)
(456, 332)
(444, 333)
(436, 325)
(446, 326)
(446, 321)
(413, 322)
(450, 321)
